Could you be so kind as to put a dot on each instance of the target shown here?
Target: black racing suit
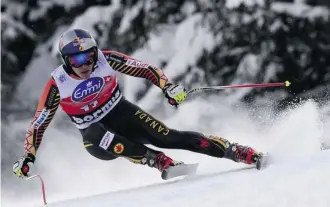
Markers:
(132, 127)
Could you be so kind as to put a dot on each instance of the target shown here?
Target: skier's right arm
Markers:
(46, 109)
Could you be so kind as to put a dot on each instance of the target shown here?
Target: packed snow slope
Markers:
(300, 176)
(304, 182)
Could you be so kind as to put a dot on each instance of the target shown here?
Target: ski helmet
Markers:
(76, 41)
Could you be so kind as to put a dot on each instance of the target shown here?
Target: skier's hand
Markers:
(22, 166)
(175, 94)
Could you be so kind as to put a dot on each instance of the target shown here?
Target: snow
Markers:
(11, 25)
(41, 10)
(301, 10)
(188, 8)
(129, 15)
(298, 8)
(42, 65)
(189, 40)
(95, 15)
(179, 46)
(236, 3)
(285, 185)
(294, 137)
(92, 16)
(149, 54)
(45, 62)
(68, 4)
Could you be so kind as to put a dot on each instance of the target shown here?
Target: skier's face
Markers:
(83, 71)
(82, 64)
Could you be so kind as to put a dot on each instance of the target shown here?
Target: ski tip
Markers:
(179, 170)
(262, 161)
(164, 175)
(258, 166)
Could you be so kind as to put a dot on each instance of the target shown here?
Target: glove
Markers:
(175, 94)
(22, 166)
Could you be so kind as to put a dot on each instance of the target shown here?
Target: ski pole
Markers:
(42, 186)
(255, 85)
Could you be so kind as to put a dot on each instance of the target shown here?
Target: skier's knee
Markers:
(97, 152)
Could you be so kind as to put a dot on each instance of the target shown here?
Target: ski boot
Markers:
(244, 154)
(159, 160)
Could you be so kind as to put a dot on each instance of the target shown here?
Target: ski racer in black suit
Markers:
(86, 88)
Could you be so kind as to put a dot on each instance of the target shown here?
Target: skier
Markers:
(86, 88)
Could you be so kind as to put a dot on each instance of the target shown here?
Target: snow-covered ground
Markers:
(300, 175)
(304, 182)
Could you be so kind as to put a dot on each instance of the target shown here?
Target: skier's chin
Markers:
(85, 74)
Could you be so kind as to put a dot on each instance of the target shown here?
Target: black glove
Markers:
(22, 166)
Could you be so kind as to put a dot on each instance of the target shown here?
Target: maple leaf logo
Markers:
(204, 143)
(119, 148)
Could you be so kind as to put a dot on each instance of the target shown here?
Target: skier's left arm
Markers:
(120, 62)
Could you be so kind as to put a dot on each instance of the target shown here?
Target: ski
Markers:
(179, 170)
(263, 161)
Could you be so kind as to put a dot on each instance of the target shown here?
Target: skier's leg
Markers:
(103, 144)
(162, 136)
(92, 133)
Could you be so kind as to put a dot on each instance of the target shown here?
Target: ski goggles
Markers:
(81, 59)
